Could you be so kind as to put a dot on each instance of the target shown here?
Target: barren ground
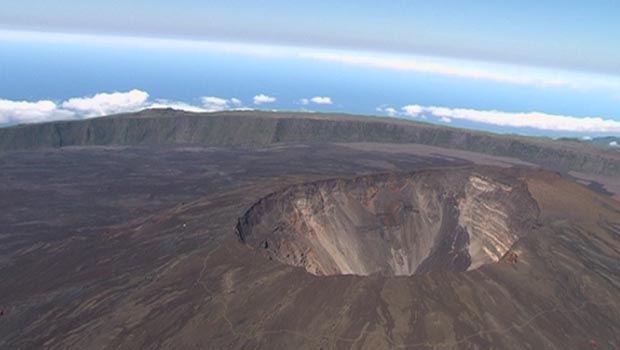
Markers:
(135, 247)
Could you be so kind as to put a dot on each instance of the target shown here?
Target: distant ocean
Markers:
(59, 71)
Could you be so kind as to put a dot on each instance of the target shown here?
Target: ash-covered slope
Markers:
(254, 128)
(394, 224)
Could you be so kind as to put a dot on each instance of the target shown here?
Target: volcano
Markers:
(256, 230)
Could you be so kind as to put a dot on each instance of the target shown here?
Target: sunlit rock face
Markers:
(393, 224)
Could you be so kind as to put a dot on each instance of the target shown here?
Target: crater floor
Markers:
(395, 224)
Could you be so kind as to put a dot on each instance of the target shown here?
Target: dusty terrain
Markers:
(129, 247)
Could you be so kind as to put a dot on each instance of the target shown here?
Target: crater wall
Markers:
(394, 224)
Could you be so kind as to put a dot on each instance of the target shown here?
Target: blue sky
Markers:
(539, 68)
(570, 34)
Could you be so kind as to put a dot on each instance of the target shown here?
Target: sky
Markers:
(547, 68)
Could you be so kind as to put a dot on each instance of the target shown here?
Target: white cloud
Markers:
(613, 144)
(317, 100)
(213, 104)
(263, 99)
(412, 110)
(182, 106)
(17, 112)
(468, 69)
(420, 65)
(587, 138)
(445, 119)
(107, 103)
(392, 112)
(535, 120)
(321, 100)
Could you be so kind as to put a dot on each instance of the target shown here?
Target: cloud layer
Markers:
(451, 67)
(466, 69)
(534, 120)
(19, 112)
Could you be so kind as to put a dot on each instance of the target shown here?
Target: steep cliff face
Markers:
(495, 215)
(394, 224)
(254, 128)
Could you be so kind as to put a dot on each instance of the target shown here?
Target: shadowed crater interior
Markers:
(394, 224)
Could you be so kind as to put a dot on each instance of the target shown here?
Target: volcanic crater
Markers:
(395, 224)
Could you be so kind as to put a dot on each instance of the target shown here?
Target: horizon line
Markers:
(399, 59)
